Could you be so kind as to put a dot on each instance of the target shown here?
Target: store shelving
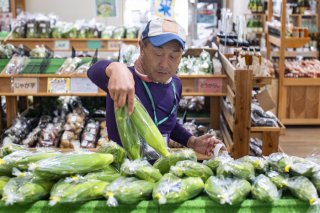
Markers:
(298, 99)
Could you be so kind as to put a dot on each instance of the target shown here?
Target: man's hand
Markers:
(121, 85)
(203, 144)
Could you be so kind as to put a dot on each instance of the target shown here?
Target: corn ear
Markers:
(216, 161)
(128, 133)
(147, 129)
(302, 188)
(4, 169)
(68, 164)
(263, 189)
(107, 174)
(316, 180)
(110, 147)
(64, 192)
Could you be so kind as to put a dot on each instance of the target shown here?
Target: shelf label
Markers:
(114, 45)
(59, 85)
(83, 85)
(210, 85)
(94, 44)
(62, 44)
(25, 85)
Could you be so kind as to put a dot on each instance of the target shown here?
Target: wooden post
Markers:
(11, 102)
(214, 112)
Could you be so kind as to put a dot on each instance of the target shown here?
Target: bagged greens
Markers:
(227, 190)
(191, 169)
(164, 163)
(263, 189)
(141, 169)
(127, 190)
(108, 174)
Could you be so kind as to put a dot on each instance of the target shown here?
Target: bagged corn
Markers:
(279, 179)
(242, 170)
(216, 161)
(3, 181)
(107, 174)
(302, 188)
(263, 189)
(110, 147)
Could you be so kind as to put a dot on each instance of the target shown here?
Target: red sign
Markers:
(210, 85)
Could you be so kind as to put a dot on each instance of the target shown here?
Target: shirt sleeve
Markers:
(180, 134)
(97, 74)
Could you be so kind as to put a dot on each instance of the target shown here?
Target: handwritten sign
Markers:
(210, 85)
(83, 85)
(114, 45)
(25, 85)
(62, 45)
(58, 85)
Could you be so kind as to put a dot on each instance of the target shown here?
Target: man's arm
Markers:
(116, 79)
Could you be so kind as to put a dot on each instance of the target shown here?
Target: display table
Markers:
(200, 204)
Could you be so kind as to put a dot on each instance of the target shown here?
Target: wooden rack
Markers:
(299, 98)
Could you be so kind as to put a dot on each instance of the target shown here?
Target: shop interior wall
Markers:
(72, 10)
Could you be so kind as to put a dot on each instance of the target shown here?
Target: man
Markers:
(153, 81)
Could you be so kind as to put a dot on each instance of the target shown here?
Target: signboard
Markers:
(62, 45)
(210, 85)
(94, 44)
(59, 85)
(25, 85)
(114, 45)
(83, 85)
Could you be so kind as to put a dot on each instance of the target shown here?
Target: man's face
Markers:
(161, 63)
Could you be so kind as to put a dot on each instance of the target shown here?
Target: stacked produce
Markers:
(196, 65)
(302, 68)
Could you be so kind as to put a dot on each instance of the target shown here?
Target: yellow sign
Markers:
(58, 85)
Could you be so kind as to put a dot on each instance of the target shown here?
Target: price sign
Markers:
(94, 44)
(62, 45)
(210, 85)
(114, 45)
(25, 85)
(59, 85)
(83, 85)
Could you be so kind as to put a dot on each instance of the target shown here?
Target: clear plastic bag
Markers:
(237, 169)
(16, 65)
(110, 147)
(263, 189)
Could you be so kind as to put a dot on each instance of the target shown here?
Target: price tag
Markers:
(25, 85)
(114, 45)
(94, 44)
(62, 45)
(210, 85)
(83, 85)
(59, 85)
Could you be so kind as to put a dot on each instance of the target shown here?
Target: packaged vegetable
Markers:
(141, 169)
(110, 147)
(227, 190)
(77, 192)
(147, 128)
(72, 163)
(263, 189)
(128, 133)
(127, 190)
(216, 161)
(191, 169)
(164, 163)
(3, 181)
(108, 174)
(316, 180)
(237, 169)
(279, 179)
(258, 163)
(172, 189)
(302, 188)
(25, 190)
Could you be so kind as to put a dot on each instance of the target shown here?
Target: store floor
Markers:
(301, 140)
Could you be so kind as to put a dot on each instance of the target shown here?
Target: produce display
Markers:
(302, 69)
(261, 118)
(196, 65)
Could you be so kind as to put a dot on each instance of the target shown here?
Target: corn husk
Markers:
(4, 169)
(127, 190)
(172, 189)
(141, 169)
(107, 174)
(63, 192)
(22, 158)
(25, 190)
(147, 129)
(279, 179)
(263, 189)
(302, 188)
(164, 163)
(216, 161)
(9, 147)
(191, 169)
(242, 170)
(128, 133)
(69, 164)
(258, 163)
(110, 147)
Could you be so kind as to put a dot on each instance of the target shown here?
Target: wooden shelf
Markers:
(80, 44)
(288, 42)
(309, 54)
(301, 81)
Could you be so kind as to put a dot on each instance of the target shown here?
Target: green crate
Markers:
(3, 63)
(33, 67)
(54, 65)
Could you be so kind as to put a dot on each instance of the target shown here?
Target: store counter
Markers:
(201, 204)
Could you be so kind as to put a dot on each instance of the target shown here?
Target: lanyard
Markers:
(154, 107)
